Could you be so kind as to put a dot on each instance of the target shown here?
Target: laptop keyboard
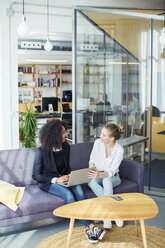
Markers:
(64, 183)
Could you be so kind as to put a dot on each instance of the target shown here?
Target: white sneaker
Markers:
(119, 223)
(107, 224)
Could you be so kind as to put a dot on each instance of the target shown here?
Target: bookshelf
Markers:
(41, 80)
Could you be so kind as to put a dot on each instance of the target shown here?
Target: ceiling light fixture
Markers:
(47, 61)
(123, 63)
(162, 36)
(23, 28)
(163, 54)
(48, 45)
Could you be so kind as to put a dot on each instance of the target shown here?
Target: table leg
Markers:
(143, 233)
(142, 151)
(136, 227)
(70, 231)
(131, 152)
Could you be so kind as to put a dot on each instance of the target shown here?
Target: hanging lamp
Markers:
(23, 28)
(162, 36)
(48, 45)
(163, 54)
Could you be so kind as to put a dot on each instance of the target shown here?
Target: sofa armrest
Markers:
(134, 171)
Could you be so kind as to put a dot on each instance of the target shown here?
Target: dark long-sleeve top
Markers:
(45, 165)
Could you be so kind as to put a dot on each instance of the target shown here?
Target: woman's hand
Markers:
(62, 179)
(91, 165)
(93, 173)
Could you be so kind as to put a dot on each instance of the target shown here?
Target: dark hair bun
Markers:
(114, 130)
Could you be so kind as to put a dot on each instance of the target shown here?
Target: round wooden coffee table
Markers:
(134, 206)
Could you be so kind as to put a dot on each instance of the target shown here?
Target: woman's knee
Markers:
(78, 192)
(92, 183)
(69, 197)
(107, 180)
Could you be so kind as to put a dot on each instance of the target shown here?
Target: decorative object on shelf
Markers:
(28, 127)
(163, 54)
(162, 37)
(48, 46)
(23, 28)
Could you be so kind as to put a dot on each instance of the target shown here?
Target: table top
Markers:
(132, 140)
(134, 206)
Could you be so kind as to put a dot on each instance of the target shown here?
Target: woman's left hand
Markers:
(93, 173)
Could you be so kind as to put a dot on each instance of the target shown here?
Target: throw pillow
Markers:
(10, 195)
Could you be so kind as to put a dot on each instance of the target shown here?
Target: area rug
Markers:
(124, 237)
(157, 173)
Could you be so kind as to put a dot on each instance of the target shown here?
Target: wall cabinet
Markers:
(43, 80)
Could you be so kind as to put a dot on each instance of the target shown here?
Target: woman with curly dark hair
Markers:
(51, 167)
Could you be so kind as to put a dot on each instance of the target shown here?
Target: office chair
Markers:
(98, 121)
(66, 117)
(66, 108)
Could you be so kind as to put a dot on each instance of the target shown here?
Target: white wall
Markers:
(9, 62)
(5, 86)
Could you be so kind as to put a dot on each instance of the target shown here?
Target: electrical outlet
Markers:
(89, 47)
(31, 44)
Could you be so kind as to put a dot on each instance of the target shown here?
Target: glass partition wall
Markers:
(118, 77)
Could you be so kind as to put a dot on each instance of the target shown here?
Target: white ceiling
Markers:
(141, 4)
(41, 55)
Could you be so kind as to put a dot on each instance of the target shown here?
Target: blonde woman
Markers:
(106, 156)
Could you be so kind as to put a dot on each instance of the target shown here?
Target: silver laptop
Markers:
(78, 177)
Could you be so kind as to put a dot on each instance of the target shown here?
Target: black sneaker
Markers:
(98, 232)
(91, 236)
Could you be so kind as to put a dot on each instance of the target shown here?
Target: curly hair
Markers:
(114, 130)
(50, 135)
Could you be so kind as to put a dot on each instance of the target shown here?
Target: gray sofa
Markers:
(16, 168)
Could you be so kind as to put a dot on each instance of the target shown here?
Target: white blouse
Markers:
(110, 164)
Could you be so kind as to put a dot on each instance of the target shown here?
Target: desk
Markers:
(133, 140)
(47, 115)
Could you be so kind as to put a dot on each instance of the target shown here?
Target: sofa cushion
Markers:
(16, 166)
(79, 155)
(34, 201)
(7, 213)
(38, 201)
(126, 186)
(133, 171)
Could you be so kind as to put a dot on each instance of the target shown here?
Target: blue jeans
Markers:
(69, 195)
(104, 186)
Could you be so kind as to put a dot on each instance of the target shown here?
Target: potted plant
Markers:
(28, 127)
(21, 128)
